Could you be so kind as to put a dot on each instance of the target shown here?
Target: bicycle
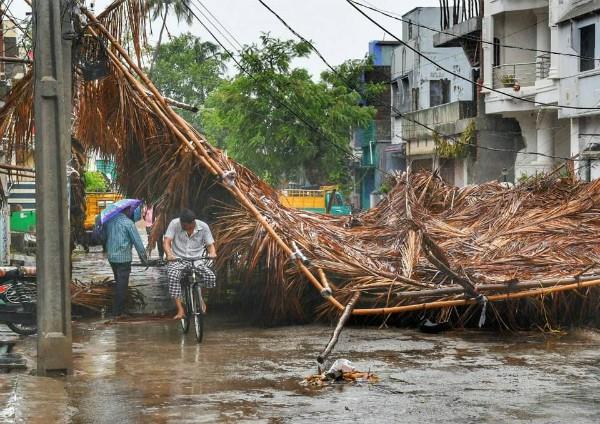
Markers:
(191, 287)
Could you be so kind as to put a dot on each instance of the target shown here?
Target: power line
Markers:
(224, 35)
(470, 37)
(549, 105)
(396, 110)
(241, 47)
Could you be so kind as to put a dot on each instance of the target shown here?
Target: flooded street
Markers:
(146, 371)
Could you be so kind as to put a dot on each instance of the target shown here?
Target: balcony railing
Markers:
(543, 66)
(523, 74)
(508, 75)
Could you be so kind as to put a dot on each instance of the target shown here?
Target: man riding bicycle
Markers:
(187, 238)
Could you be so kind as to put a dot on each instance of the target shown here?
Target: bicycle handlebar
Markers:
(164, 262)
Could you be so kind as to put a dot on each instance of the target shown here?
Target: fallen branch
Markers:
(338, 328)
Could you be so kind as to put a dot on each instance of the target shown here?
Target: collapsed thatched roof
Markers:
(427, 245)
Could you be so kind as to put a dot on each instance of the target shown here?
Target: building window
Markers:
(587, 43)
(410, 29)
(439, 92)
(403, 61)
(496, 61)
(403, 99)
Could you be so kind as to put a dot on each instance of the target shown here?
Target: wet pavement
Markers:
(146, 371)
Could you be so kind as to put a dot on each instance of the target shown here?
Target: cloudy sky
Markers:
(337, 30)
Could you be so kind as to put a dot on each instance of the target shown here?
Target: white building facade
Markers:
(420, 86)
(544, 82)
(438, 112)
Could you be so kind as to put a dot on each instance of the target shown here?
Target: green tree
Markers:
(160, 9)
(248, 114)
(187, 70)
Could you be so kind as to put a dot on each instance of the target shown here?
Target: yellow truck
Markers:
(327, 200)
(96, 203)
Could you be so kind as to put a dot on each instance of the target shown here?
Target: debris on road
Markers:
(341, 370)
(96, 295)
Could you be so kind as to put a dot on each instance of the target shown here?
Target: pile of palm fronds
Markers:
(98, 295)
(426, 246)
(432, 246)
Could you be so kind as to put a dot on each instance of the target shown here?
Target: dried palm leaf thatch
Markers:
(427, 246)
(96, 295)
(126, 20)
(16, 117)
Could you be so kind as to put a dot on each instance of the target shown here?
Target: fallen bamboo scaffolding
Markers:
(200, 152)
(465, 302)
(426, 244)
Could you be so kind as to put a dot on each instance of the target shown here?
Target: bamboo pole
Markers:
(180, 105)
(16, 168)
(463, 302)
(502, 287)
(338, 328)
(9, 59)
(201, 153)
(149, 99)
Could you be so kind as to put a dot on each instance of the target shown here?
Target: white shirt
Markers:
(185, 246)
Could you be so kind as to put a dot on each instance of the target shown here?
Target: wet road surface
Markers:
(147, 372)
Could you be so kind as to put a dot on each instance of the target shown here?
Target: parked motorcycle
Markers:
(18, 298)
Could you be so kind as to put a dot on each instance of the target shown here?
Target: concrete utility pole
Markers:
(52, 108)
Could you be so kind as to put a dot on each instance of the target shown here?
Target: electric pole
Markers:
(52, 109)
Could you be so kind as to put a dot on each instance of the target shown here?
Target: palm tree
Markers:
(161, 9)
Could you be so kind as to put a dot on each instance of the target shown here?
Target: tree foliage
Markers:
(282, 123)
(188, 69)
(95, 182)
(160, 9)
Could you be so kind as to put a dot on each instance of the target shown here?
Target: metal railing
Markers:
(523, 74)
(508, 75)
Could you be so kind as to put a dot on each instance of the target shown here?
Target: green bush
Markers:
(95, 182)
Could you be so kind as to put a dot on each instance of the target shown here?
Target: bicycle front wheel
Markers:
(22, 329)
(185, 321)
(198, 315)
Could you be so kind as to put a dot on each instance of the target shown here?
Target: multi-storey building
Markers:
(547, 85)
(435, 89)
(372, 145)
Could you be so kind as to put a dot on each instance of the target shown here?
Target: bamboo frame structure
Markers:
(427, 246)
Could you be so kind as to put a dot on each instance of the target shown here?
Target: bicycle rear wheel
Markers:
(185, 321)
(198, 315)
